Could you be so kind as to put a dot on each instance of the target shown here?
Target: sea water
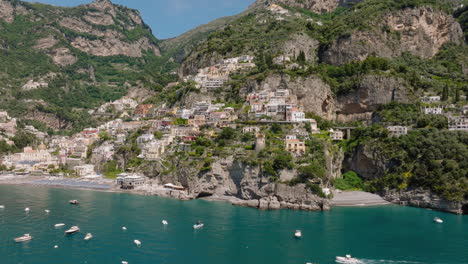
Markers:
(383, 234)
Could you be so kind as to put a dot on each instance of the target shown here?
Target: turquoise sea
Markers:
(386, 234)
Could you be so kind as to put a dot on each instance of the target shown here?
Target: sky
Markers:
(170, 18)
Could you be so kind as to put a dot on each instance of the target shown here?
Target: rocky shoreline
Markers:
(424, 199)
(282, 197)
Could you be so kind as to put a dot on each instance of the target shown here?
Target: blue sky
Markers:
(170, 18)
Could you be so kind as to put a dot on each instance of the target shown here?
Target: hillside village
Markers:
(159, 132)
(258, 108)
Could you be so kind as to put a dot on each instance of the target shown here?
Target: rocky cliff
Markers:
(101, 44)
(372, 91)
(420, 31)
(317, 6)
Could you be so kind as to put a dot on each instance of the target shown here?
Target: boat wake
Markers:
(386, 261)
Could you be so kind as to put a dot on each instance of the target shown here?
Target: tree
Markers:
(227, 133)
(301, 58)
(457, 95)
(445, 93)
(276, 128)
(23, 139)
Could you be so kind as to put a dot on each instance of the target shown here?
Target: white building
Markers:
(433, 110)
(250, 129)
(458, 123)
(336, 135)
(84, 170)
(397, 130)
(430, 99)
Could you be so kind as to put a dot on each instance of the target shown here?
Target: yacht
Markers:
(438, 220)
(88, 236)
(74, 202)
(348, 260)
(72, 230)
(24, 238)
(164, 222)
(298, 234)
(198, 225)
(137, 242)
(59, 225)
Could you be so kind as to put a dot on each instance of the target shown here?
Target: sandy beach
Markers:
(357, 198)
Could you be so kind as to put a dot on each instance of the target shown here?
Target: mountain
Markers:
(53, 55)
(356, 58)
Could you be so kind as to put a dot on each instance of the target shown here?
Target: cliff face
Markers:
(310, 93)
(317, 6)
(243, 184)
(372, 91)
(420, 31)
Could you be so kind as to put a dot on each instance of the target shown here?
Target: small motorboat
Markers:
(47, 211)
(26, 209)
(74, 202)
(124, 228)
(72, 230)
(24, 238)
(198, 225)
(124, 262)
(438, 220)
(347, 260)
(56, 246)
(298, 234)
(2, 207)
(59, 225)
(88, 236)
(137, 242)
(164, 222)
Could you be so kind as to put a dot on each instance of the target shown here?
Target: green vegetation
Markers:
(425, 158)
(350, 182)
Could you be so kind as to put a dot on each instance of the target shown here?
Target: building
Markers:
(430, 99)
(145, 138)
(250, 129)
(260, 142)
(295, 146)
(458, 123)
(336, 135)
(127, 181)
(84, 170)
(198, 120)
(433, 110)
(397, 130)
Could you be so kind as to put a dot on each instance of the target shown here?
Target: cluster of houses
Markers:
(213, 77)
(7, 126)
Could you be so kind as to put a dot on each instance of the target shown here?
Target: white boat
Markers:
(59, 225)
(298, 234)
(26, 209)
(198, 225)
(438, 220)
(164, 222)
(47, 211)
(72, 230)
(2, 207)
(124, 228)
(124, 262)
(56, 246)
(88, 236)
(24, 238)
(347, 260)
(137, 242)
(73, 202)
